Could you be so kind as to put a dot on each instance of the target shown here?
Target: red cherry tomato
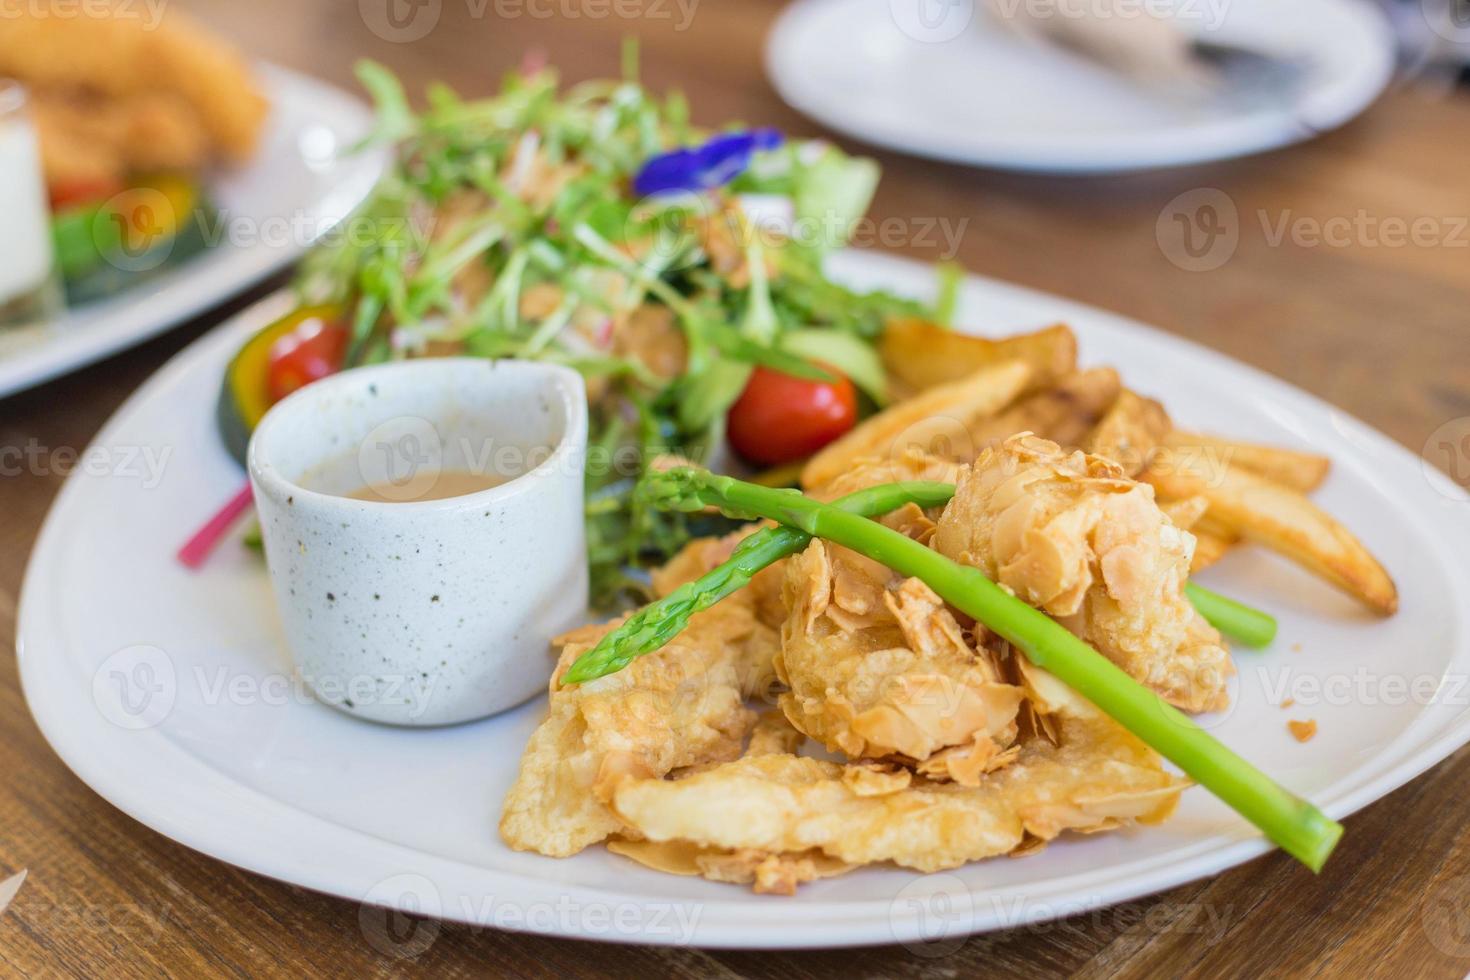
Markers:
(69, 193)
(315, 349)
(778, 418)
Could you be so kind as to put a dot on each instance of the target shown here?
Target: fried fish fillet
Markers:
(765, 872)
(878, 666)
(1070, 534)
(681, 706)
(1096, 776)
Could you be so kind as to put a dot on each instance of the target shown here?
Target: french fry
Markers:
(1130, 432)
(1185, 514)
(1280, 518)
(920, 355)
(1302, 472)
(1213, 525)
(1209, 548)
(943, 414)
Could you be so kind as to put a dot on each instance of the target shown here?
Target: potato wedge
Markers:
(938, 420)
(1130, 432)
(1303, 472)
(1280, 518)
(920, 354)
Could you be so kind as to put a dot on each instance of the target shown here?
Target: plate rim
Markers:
(725, 924)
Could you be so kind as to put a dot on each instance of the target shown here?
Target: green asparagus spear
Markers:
(658, 623)
(1295, 824)
(1250, 626)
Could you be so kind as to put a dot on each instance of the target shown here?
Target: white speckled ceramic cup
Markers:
(417, 611)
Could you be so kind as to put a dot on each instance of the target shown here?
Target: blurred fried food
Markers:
(116, 93)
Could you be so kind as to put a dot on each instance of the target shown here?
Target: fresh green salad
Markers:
(679, 269)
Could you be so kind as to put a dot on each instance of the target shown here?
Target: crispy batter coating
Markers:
(871, 471)
(681, 706)
(1071, 535)
(773, 735)
(766, 873)
(1096, 777)
(878, 667)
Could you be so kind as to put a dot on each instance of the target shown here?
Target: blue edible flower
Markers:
(698, 168)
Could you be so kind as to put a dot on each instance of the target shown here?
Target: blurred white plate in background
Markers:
(939, 78)
(300, 182)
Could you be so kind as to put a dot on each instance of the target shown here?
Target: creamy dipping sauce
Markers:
(436, 485)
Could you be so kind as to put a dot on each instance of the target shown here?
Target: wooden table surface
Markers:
(1371, 323)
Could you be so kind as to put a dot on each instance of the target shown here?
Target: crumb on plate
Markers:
(1302, 731)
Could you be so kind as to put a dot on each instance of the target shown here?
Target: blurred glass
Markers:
(29, 288)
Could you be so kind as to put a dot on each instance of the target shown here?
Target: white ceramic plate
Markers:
(300, 183)
(169, 692)
(937, 78)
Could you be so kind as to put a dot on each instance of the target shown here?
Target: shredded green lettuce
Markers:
(507, 227)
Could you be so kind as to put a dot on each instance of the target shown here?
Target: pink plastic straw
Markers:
(207, 537)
